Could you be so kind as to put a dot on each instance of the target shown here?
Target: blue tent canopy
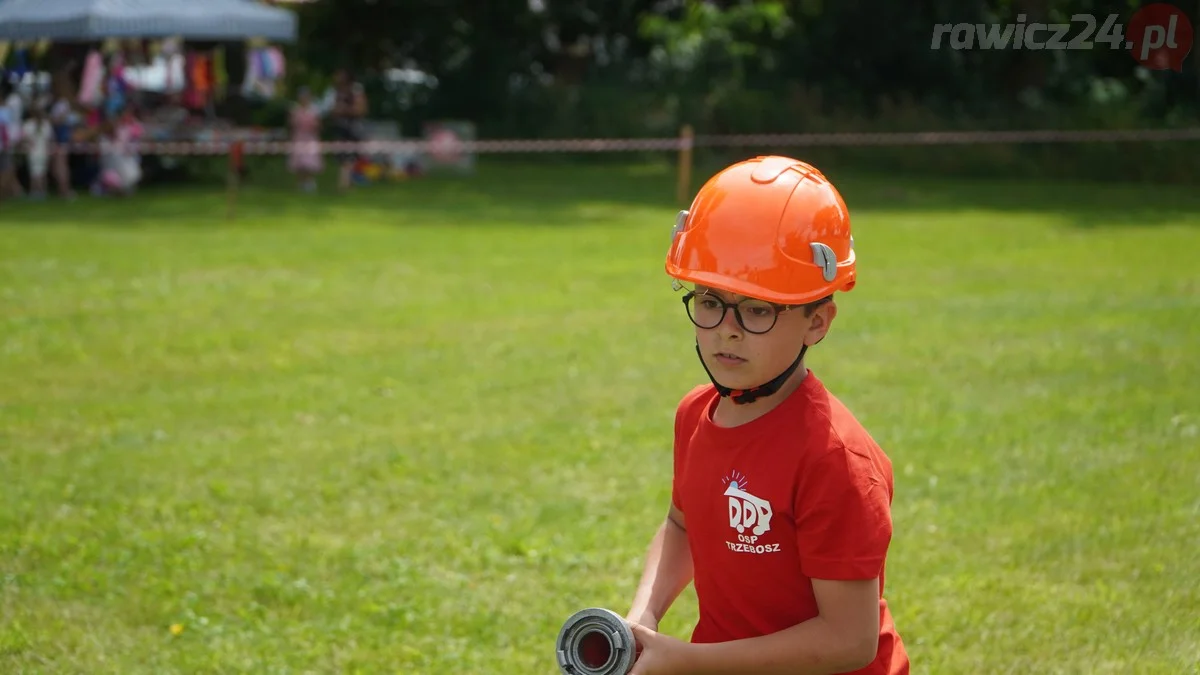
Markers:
(88, 20)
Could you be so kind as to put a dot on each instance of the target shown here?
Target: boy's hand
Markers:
(660, 654)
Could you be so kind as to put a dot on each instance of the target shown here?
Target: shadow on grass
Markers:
(564, 191)
(1079, 204)
(532, 193)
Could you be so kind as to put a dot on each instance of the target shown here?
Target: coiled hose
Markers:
(596, 641)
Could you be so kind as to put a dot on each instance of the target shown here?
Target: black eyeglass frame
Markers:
(737, 311)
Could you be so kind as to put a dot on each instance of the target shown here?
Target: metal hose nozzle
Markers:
(596, 641)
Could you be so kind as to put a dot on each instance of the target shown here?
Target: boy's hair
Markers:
(812, 306)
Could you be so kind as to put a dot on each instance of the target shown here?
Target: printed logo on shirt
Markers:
(749, 516)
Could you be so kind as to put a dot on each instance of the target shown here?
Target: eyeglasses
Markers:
(754, 316)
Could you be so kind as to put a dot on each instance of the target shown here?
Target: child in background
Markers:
(37, 135)
(305, 160)
(120, 162)
(64, 119)
(6, 155)
(349, 110)
(129, 133)
(11, 108)
(108, 179)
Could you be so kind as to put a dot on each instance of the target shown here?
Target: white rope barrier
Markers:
(956, 137)
(275, 147)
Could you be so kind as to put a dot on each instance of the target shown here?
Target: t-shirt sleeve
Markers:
(686, 417)
(843, 517)
(679, 454)
(679, 462)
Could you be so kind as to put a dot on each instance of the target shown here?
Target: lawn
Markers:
(413, 429)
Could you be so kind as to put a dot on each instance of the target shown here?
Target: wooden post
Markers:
(236, 151)
(684, 188)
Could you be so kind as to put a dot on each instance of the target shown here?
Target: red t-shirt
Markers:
(802, 492)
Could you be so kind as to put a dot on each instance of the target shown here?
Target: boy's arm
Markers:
(843, 638)
(667, 572)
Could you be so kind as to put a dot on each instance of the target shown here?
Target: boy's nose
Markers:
(729, 324)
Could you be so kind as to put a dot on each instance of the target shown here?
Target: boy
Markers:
(781, 502)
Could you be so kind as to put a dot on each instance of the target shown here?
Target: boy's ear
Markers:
(820, 321)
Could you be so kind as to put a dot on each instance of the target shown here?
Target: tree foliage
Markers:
(555, 67)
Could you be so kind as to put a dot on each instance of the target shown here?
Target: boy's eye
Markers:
(758, 310)
(708, 303)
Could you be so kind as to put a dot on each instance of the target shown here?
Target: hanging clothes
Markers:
(220, 74)
(265, 70)
(116, 91)
(199, 84)
(114, 96)
(189, 88)
(176, 73)
(280, 64)
(250, 79)
(167, 53)
(210, 79)
(93, 77)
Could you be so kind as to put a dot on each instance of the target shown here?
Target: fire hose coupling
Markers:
(596, 641)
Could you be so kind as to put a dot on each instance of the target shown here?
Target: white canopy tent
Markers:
(96, 20)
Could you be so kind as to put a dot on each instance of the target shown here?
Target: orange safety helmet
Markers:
(772, 228)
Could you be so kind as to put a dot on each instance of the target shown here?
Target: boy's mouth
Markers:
(728, 358)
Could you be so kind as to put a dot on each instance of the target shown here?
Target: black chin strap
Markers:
(741, 396)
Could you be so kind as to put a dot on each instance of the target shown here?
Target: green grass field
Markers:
(412, 430)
